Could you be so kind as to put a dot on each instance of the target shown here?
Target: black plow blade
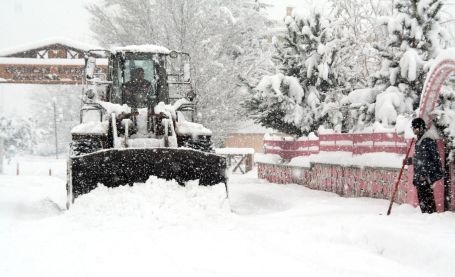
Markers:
(117, 167)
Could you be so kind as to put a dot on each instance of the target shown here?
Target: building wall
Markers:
(51, 64)
(38, 73)
(255, 141)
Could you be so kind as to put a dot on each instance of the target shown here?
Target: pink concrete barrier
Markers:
(350, 181)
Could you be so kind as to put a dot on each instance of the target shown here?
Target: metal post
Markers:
(2, 154)
(55, 129)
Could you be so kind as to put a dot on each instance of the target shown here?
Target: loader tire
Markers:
(69, 196)
(69, 182)
(84, 146)
(201, 143)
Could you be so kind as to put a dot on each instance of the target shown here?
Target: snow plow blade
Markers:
(117, 167)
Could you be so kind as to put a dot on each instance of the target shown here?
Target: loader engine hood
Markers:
(192, 129)
(147, 48)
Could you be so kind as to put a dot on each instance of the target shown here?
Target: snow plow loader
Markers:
(137, 120)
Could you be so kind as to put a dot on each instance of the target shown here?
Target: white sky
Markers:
(27, 21)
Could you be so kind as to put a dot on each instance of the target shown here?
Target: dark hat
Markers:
(418, 123)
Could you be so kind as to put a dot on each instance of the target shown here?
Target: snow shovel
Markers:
(395, 188)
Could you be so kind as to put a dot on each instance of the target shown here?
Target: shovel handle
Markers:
(395, 188)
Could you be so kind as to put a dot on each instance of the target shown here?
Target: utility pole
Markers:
(55, 128)
(2, 150)
(2, 154)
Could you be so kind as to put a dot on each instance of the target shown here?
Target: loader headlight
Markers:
(90, 94)
(92, 112)
(191, 95)
(94, 115)
(173, 54)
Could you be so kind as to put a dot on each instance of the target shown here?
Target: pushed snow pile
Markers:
(34, 209)
(155, 200)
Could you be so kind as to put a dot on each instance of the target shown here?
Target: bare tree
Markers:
(224, 39)
(67, 105)
(358, 19)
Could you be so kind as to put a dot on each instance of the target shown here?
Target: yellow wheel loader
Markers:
(137, 120)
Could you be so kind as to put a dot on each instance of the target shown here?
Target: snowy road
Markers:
(161, 229)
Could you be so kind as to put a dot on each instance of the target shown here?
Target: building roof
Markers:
(43, 43)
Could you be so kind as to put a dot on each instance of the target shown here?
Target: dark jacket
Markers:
(426, 161)
(136, 93)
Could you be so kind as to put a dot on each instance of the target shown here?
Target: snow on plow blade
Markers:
(116, 167)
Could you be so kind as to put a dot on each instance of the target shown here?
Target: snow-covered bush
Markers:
(389, 104)
(16, 135)
(360, 107)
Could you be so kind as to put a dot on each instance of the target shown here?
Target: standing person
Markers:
(427, 165)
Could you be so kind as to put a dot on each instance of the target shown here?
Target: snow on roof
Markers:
(150, 48)
(26, 61)
(380, 159)
(39, 44)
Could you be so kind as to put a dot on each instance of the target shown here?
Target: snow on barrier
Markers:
(358, 143)
(351, 165)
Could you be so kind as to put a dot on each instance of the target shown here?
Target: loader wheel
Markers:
(85, 146)
(202, 143)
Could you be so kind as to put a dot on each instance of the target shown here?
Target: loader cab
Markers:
(168, 73)
(149, 89)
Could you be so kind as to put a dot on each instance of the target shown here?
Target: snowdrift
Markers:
(156, 200)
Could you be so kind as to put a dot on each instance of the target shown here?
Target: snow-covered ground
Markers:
(162, 229)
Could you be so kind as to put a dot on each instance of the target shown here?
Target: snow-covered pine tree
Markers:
(414, 38)
(307, 53)
(276, 103)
